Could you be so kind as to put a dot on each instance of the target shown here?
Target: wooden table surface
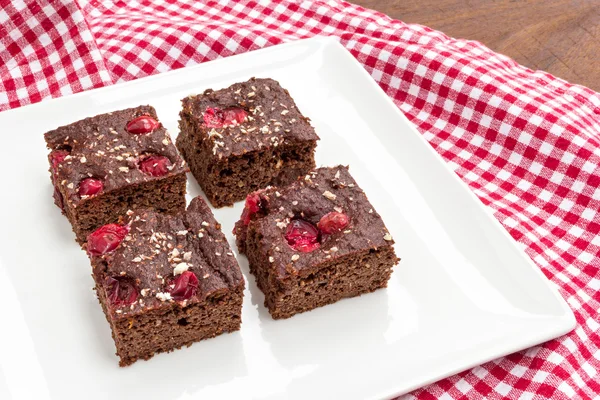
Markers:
(558, 36)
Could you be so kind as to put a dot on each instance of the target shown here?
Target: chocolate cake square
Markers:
(244, 138)
(105, 165)
(165, 281)
(314, 242)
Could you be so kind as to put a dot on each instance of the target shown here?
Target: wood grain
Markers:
(558, 36)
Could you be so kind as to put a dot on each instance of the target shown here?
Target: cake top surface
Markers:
(249, 116)
(115, 149)
(163, 259)
(336, 220)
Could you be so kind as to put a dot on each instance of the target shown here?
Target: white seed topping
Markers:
(329, 195)
(180, 268)
(204, 223)
(144, 292)
(187, 256)
(163, 296)
(295, 257)
(387, 237)
(271, 259)
(83, 160)
(123, 169)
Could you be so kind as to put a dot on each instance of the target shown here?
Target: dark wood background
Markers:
(558, 36)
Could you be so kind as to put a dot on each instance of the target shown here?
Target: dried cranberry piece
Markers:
(106, 239)
(121, 291)
(90, 187)
(142, 125)
(302, 236)
(155, 165)
(252, 206)
(333, 222)
(183, 286)
(57, 157)
(219, 118)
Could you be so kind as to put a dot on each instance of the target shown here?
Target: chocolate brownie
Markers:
(314, 242)
(244, 138)
(105, 165)
(165, 281)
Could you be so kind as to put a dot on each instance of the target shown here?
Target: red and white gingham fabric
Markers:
(528, 144)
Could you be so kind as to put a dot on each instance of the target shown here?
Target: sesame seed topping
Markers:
(338, 209)
(204, 223)
(180, 268)
(271, 259)
(123, 169)
(329, 195)
(163, 296)
(295, 203)
(83, 160)
(284, 112)
(144, 292)
(387, 237)
(295, 257)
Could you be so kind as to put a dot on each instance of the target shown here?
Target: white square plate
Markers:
(464, 293)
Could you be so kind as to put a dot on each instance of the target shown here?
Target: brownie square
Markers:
(105, 165)
(314, 242)
(244, 138)
(165, 281)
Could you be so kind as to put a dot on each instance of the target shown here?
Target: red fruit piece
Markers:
(333, 222)
(218, 118)
(90, 187)
(121, 292)
(155, 165)
(302, 236)
(184, 286)
(57, 157)
(252, 206)
(106, 239)
(142, 124)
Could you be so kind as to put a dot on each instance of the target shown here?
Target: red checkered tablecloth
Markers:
(527, 143)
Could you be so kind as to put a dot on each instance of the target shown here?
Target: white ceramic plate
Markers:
(463, 294)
